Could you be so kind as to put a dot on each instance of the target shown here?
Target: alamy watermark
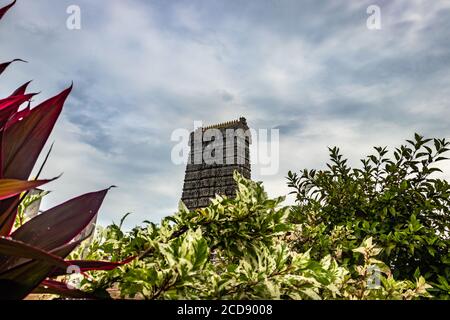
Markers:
(374, 278)
(73, 21)
(374, 20)
(75, 277)
(227, 146)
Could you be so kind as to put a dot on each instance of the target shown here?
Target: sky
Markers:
(142, 69)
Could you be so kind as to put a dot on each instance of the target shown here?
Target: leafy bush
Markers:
(233, 249)
(398, 202)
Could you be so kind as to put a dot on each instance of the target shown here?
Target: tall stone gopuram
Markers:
(215, 153)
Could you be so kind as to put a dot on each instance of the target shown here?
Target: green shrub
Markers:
(396, 200)
(234, 249)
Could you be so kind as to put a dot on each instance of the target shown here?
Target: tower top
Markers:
(228, 124)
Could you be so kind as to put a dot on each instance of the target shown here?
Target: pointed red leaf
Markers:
(23, 141)
(90, 265)
(8, 212)
(10, 247)
(52, 229)
(5, 9)
(10, 105)
(5, 65)
(64, 250)
(15, 100)
(61, 224)
(18, 264)
(18, 282)
(21, 90)
(13, 187)
(18, 116)
(90, 228)
(86, 265)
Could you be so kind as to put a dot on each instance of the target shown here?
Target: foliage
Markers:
(397, 201)
(36, 248)
(233, 249)
(28, 201)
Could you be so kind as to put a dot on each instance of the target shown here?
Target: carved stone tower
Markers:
(216, 152)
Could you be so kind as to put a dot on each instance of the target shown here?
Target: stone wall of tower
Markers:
(207, 176)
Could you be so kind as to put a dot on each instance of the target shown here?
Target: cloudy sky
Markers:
(142, 69)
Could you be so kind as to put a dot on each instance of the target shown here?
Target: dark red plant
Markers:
(36, 250)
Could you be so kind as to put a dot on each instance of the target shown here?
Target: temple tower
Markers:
(215, 153)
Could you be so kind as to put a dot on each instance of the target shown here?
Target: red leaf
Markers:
(59, 225)
(8, 212)
(10, 105)
(18, 116)
(50, 231)
(6, 8)
(14, 100)
(64, 250)
(5, 65)
(23, 141)
(90, 265)
(12, 187)
(9, 247)
(86, 265)
(21, 90)
(20, 266)
(17, 281)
